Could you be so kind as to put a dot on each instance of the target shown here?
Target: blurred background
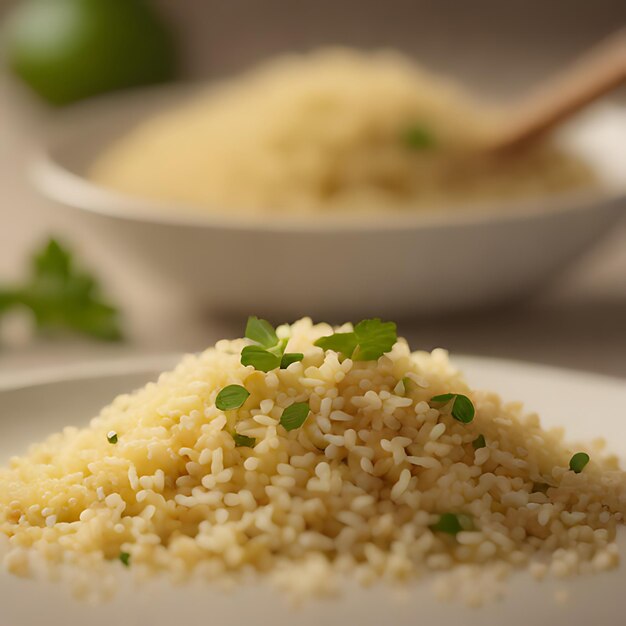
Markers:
(498, 48)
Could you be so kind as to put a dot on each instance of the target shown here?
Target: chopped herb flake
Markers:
(112, 437)
(294, 415)
(418, 137)
(578, 462)
(368, 342)
(289, 358)
(462, 407)
(451, 523)
(242, 441)
(479, 442)
(261, 331)
(231, 397)
(260, 358)
(125, 558)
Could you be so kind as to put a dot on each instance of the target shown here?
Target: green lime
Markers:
(71, 49)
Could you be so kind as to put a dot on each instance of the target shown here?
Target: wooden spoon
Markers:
(597, 72)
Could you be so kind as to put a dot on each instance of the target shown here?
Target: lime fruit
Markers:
(66, 50)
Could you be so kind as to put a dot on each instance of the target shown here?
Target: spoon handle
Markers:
(599, 71)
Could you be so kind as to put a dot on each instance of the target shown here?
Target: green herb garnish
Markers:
(479, 442)
(269, 352)
(125, 558)
(344, 343)
(261, 332)
(294, 415)
(242, 441)
(260, 358)
(62, 297)
(112, 437)
(368, 342)
(374, 339)
(290, 357)
(452, 523)
(462, 407)
(578, 462)
(418, 137)
(231, 397)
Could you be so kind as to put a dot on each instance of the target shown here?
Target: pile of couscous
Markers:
(333, 130)
(334, 452)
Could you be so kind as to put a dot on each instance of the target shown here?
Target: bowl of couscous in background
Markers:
(331, 182)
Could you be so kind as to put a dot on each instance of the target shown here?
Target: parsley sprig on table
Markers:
(61, 296)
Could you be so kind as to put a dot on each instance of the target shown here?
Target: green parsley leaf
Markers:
(231, 397)
(64, 297)
(578, 462)
(294, 415)
(452, 523)
(268, 354)
(418, 137)
(260, 358)
(374, 338)
(462, 407)
(279, 348)
(289, 358)
(112, 437)
(61, 296)
(479, 442)
(368, 342)
(241, 441)
(261, 331)
(344, 343)
(125, 558)
(8, 299)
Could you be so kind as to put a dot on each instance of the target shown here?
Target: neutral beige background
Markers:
(497, 47)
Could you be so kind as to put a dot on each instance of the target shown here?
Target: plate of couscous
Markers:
(312, 473)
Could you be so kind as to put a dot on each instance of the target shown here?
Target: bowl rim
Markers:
(59, 183)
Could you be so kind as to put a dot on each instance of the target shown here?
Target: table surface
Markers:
(578, 322)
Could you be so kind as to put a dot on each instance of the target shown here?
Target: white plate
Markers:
(332, 267)
(587, 405)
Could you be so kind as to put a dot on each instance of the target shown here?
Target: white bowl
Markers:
(328, 266)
